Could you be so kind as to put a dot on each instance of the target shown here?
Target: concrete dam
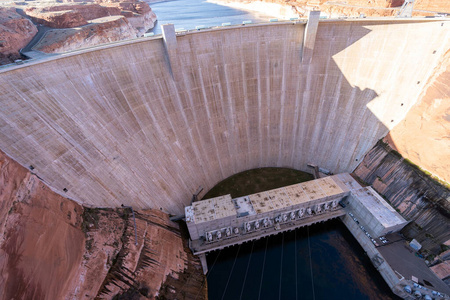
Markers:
(145, 122)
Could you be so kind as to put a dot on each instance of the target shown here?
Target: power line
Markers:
(262, 272)
(206, 278)
(310, 264)
(295, 259)
(281, 265)
(246, 272)
(231, 272)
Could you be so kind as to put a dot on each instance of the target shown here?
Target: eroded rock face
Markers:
(353, 8)
(78, 14)
(424, 135)
(15, 33)
(92, 23)
(415, 195)
(104, 30)
(41, 241)
(56, 19)
(53, 248)
(160, 259)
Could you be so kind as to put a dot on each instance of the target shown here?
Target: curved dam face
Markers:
(131, 123)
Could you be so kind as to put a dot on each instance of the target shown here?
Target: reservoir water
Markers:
(190, 13)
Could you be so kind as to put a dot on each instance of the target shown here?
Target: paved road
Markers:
(41, 31)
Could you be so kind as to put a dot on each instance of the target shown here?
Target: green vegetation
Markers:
(427, 174)
(257, 180)
(418, 226)
(90, 217)
(417, 168)
(444, 248)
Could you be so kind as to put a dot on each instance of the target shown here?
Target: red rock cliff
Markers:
(424, 135)
(41, 241)
(53, 248)
(15, 33)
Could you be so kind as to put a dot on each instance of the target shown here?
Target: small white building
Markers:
(378, 217)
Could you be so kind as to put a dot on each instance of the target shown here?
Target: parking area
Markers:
(402, 258)
(376, 241)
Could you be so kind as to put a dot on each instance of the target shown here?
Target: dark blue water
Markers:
(328, 265)
(190, 13)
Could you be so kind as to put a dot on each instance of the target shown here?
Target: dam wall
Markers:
(130, 123)
(415, 195)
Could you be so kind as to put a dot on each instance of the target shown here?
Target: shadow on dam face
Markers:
(110, 125)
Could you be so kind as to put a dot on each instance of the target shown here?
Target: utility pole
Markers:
(134, 219)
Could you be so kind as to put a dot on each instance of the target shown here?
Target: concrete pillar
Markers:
(309, 39)
(170, 44)
(204, 263)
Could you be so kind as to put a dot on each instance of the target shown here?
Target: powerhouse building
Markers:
(223, 221)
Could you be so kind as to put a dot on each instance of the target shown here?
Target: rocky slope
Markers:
(100, 31)
(69, 15)
(419, 198)
(350, 8)
(53, 248)
(424, 135)
(41, 243)
(91, 22)
(15, 33)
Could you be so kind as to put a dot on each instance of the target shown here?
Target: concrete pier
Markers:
(204, 263)
(310, 36)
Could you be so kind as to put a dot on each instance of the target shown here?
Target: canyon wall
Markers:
(286, 9)
(53, 248)
(113, 125)
(423, 136)
(104, 30)
(15, 33)
(417, 196)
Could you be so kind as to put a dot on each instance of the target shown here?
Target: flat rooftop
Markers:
(379, 208)
(295, 194)
(213, 209)
(262, 202)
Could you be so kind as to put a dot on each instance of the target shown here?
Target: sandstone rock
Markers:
(423, 136)
(99, 31)
(92, 23)
(67, 16)
(442, 270)
(53, 248)
(349, 8)
(41, 243)
(57, 19)
(15, 33)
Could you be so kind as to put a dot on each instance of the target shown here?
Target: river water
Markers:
(190, 13)
(320, 262)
